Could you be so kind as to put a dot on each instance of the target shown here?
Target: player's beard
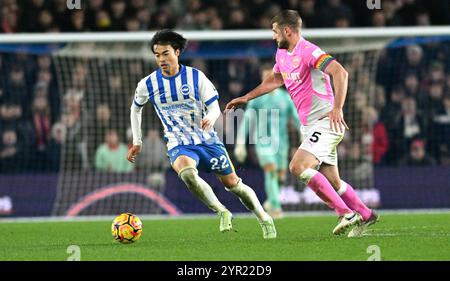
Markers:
(283, 44)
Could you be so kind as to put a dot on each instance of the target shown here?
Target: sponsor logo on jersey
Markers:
(293, 76)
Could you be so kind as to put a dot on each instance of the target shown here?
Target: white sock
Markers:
(201, 189)
(248, 197)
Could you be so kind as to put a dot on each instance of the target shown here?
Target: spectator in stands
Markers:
(163, 18)
(12, 115)
(16, 87)
(75, 120)
(417, 155)
(11, 152)
(102, 21)
(409, 125)
(42, 125)
(132, 24)
(378, 18)
(436, 73)
(144, 18)
(51, 16)
(111, 156)
(443, 122)
(98, 127)
(77, 22)
(414, 62)
(58, 138)
(335, 9)
(412, 88)
(434, 108)
(380, 98)
(117, 11)
(153, 156)
(79, 77)
(30, 18)
(91, 16)
(407, 12)
(389, 11)
(447, 83)
(308, 14)
(45, 22)
(61, 15)
(216, 23)
(379, 139)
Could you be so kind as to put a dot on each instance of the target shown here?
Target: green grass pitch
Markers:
(402, 237)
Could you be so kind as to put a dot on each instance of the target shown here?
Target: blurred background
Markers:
(64, 106)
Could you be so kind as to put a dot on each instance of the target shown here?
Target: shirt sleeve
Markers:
(141, 95)
(140, 98)
(317, 58)
(207, 91)
(276, 68)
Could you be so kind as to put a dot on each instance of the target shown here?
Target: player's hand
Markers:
(235, 102)
(206, 124)
(240, 152)
(133, 152)
(337, 122)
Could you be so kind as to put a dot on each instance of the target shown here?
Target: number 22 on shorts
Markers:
(215, 163)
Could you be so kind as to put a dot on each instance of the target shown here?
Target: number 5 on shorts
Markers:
(315, 137)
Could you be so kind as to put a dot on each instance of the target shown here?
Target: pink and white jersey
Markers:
(303, 76)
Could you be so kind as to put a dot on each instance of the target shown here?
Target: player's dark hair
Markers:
(169, 37)
(289, 18)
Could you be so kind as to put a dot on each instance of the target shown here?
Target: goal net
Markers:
(95, 82)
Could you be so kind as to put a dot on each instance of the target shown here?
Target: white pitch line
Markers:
(209, 216)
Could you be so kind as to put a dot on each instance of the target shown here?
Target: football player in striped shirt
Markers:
(186, 102)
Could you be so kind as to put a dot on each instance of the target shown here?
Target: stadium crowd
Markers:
(408, 122)
(121, 15)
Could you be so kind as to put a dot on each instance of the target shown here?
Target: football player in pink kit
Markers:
(305, 70)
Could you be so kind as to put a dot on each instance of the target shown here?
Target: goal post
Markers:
(96, 75)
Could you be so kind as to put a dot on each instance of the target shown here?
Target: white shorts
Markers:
(321, 141)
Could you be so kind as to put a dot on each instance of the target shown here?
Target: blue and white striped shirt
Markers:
(181, 102)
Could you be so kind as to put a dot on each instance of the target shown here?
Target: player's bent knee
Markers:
(182, 162)
(296, 168)
(229, 181)
(189, 175)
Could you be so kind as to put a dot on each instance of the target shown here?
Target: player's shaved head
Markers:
(288, 18)
(168, 37)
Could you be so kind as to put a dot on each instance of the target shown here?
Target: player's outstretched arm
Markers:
(136, 120)
(340, 83)
(270, 83)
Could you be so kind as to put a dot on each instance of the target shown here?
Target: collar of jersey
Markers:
(296, 46)
(182, 68)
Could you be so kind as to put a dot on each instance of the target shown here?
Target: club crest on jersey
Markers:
(185, 89)
(295, 62)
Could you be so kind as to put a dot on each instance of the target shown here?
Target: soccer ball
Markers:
(126, 228)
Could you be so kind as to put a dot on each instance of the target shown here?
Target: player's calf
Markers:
(201, 189)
